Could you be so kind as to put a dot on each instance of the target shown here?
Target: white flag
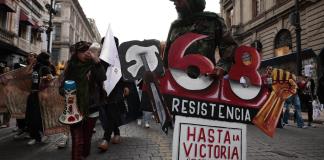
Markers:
(109, 54)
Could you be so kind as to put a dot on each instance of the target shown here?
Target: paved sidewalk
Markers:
(319, 120)
(138, 143)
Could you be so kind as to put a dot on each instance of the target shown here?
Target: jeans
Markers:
(147, 116)
(294, 100)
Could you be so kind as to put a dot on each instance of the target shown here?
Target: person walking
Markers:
(41, 74)
(110, 115)
(320, 89)
(145, 106)
(295, 101)
(309, 95)
(85, 69)
(22, 130)
(5, 116)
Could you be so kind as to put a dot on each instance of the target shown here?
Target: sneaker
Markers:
(44, 139)
(303, 127)
(147, 125)
(20, 134)
(32, 142)
(312, 125)
(103, 146)
(27, 136)
(116, 139)
(4, 126)
(62, 142)
(139, 122)
(16, 129)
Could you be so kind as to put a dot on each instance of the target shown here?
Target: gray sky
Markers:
(136, 19)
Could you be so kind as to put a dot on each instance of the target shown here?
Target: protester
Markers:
(5, 116)
(110, 114)
(308, 93)
(22, 130)
(295, 101)
(132, 103)
(145, 106)
(85, 69)
(267, 78)
(192, 18)
(41, 73)
(320, 89)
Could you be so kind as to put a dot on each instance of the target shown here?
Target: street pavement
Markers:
(139, 143)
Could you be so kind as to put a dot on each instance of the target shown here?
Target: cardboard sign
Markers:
(15, 90)
(141, 60)
(196, 138)
(52, 105)
(235, 97)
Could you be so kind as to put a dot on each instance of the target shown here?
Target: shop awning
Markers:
(7, 5)
(24, 18)
(305, 54)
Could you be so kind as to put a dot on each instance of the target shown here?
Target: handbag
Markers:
(317, 108)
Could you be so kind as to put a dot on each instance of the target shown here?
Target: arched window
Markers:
(283, 43)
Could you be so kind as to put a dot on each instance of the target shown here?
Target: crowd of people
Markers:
(89, 73)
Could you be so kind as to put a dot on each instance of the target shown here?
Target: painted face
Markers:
(84, 56)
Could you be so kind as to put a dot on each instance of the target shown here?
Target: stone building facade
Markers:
(20, 33)
(266, 25)
(70, 25)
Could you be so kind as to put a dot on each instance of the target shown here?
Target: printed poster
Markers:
(197, 138)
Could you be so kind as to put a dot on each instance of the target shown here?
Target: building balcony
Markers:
(24, 45)
(7, 5)
(6, 36)
(36, 48)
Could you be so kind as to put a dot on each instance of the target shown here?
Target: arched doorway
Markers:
(283, 43)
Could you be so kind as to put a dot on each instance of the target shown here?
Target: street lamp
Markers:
(51, 11)
(295, 21)
(298, 37)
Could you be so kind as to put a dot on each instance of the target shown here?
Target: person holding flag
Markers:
(111, 113)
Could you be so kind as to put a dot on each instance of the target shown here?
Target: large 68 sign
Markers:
(180, 65)
(190, 91)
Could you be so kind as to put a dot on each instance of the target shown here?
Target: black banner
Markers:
(132, 66)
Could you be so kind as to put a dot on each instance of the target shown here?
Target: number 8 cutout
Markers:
(245, 81)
